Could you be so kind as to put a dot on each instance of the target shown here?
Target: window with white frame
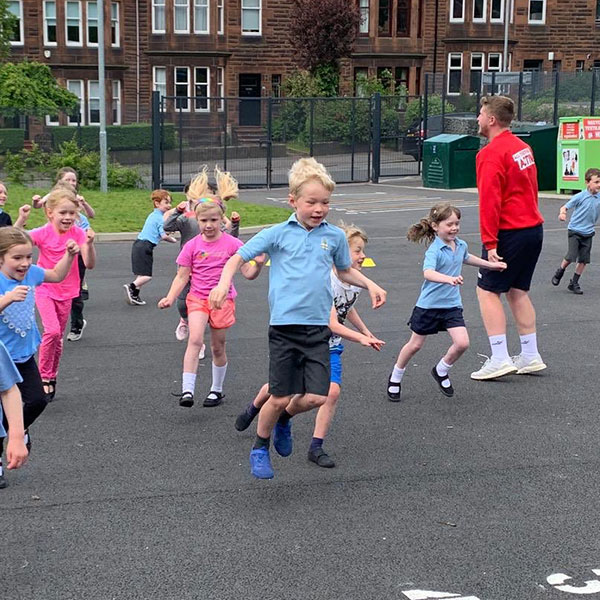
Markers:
(537, 12)
(52, 120)
(49, 10)
(494, 61)
(364, 16)
(116, 102)
(454, 72)
(93, 103)
(457, 11)
(477, 65)
(497, 11)
(115, 25)
(159, 24)
(479, 10)
(181, 82)
(73, 23)
(251, 17)
(201, 89)
(201, 16)
(159, 83)
(75, 86)
(181, 16)
(92, 23)
(221, 88)
(16, 36)
(220, 16)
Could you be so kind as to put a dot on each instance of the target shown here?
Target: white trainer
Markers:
(202, 352)
(528, 363)
(493, 368)
(182, 330)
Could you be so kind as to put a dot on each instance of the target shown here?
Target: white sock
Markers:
(529, 344)
(442, 368)
(188, 383)
(499, 347)
(1, 469)
(396, 377)
(218, 377)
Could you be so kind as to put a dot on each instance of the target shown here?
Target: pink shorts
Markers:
(217, 319)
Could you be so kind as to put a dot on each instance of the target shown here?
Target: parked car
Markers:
(413, 139)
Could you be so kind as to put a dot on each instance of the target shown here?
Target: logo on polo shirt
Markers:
(324, 244)
(201, 255)
(524, 159)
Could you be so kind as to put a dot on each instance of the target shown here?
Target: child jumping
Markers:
(200, 263)
(439, 306)
(5, 220)
(586, 211)
(142, 251)
(303, 250)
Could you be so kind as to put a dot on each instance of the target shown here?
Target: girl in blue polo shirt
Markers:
(439, 306)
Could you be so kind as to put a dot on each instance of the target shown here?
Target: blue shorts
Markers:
(335, 364)
(428, 321)
(9, 376)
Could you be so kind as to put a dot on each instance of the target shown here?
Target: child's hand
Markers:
(72, 248)
(18, 293)
(372, 341)
(80, 199)
(36, 200)
(91, 235)
(261, 259)
(562, 216)
(165, 303)
(181, 207)
(171, 239)
(16, 452)
(458, 280)
(499, 266)
(25, 211)
(378, 295)
(217, 297)
(235, 217)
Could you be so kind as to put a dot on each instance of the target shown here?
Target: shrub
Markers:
(24, 165)
(434, 107)
(11, 140)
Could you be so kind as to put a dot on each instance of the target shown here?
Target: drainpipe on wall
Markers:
(435, 40)
(137, 60)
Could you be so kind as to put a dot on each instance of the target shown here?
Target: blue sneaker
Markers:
(260, 463)
(282, 439)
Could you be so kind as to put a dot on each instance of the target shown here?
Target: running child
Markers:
(142, 251)
(5, 220)
(201, 262)
(439, 306)
(303, 250)
(344, 298)
(586, 210)
(54, 301)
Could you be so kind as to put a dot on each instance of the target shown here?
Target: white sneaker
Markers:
(182, 330)
(202, 352)
(493, 368)
(75, 334)
(528, 364)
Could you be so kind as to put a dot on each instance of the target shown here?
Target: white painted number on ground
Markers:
(592, 586)
(429, 595)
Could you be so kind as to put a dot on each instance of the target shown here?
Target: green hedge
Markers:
(118, 137)
(11, 140)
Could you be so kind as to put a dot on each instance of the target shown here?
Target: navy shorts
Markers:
(427, 321)
(520, 250)
(142, 257)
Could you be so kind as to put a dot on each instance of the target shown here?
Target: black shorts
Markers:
(580, 247)
(142, 257)
(299, 359)
(520, 250)
(427, 321)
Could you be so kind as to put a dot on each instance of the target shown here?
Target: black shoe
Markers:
(320, 458)
(394, 396)
(3, 482)
(243, 421)
(557, 276)
(447, 391)
(575, 287)
(186, 399)
(213, 399)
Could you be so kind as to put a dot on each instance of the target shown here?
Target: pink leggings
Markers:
(55, 314)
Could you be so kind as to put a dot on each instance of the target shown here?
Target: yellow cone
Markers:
(368, 262)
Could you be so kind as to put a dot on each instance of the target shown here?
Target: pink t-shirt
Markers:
(207, 259)
(52, 248)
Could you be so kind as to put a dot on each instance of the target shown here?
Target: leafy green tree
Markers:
(8, 25)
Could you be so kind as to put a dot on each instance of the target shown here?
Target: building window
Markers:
(93, 103)
(158, 16)
(497, 11)
(73, 23)
(596, 64)
(202, 89)
(556, 66)
(16, 36)
(385, 18)
(494, 61)
(116, 102)
(220, 17)
(182, 88)
(476, 70)
(115, 27)
(537, 12)
(361, 75)
(181, 16)
(364, 16)
(401, 78)
(76, 87)
(251, 17)
(49, 9)
(201, 16)
(403, 18)
(221, 88)
(92, 23)
(454, 72)
(479, 10)
(457, 11)
(159, 83)
(579, 66)
(52, 120)
(597, 11)
(276, 86)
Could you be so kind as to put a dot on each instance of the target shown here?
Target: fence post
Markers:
(376, 166)
(419, 146)
(155, 140)
(353, 129)
(79, 131)
(444, 90)
(593, 99)
(312, 123)
(269, 140)
(556, 84)
(180, 122)
(493, 83)
(425, 110)
(225, 131)
(520, 99)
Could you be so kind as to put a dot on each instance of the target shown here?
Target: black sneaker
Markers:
(557, 276)
(243, 421)
(394, 396)
(213, 399)
(575, 287)
(132, 295)
(321, 458)
(186, 399)
(447, 391)
(3, 482)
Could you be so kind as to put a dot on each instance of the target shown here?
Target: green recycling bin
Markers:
(542, 140)
(449, 161)
(578, 150)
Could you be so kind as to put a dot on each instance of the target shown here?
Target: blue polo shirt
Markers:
(153, 227)
(83, 222)
(441, 258)
(585, 214)
(299, 277)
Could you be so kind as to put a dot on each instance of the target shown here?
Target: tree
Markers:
(29, 88)
(8, 23)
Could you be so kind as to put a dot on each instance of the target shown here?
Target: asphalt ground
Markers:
(492, 494)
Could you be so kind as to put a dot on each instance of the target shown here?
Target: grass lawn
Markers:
(126, 210)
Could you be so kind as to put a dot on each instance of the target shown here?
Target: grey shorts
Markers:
(580, 247)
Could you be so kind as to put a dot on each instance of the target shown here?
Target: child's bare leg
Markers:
(326, 412)
(247, 416)
(414, 344)
(219, 366)
(460, 344)
(269, 414)
(141, 280)
(197, 323)
(304, 402)
(579, 268)
(564, 264)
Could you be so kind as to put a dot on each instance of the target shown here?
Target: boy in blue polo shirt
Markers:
(302, 251)
(586, 207)
(439, 306)
(142, 257)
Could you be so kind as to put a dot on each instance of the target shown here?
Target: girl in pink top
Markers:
(54, 301)
(202, 259)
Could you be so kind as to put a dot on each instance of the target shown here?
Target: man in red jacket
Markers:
(511, 231)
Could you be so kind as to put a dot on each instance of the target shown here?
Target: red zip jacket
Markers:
(507, 184)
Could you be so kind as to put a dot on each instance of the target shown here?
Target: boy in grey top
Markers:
(586, 210)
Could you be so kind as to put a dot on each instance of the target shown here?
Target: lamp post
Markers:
(102, 97)
(507, 13)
